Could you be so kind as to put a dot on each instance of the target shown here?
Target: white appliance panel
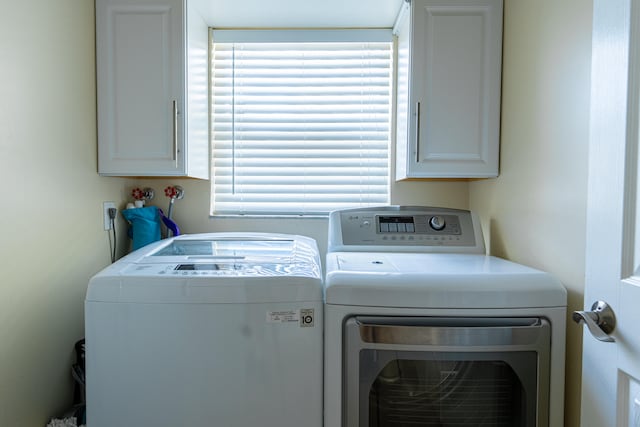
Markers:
(217, 329)
(168, 365)
(437, 281)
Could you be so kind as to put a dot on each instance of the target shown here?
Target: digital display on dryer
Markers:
(396, 224)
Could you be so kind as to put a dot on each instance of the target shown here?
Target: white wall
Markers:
(534, 213)
(52, 239)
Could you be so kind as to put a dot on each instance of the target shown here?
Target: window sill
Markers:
(269, 216)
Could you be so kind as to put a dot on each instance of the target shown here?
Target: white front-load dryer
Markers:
(221, 329)
(422, 328)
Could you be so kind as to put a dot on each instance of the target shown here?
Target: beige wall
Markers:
(52, 238)
(534, 213)
(192, 212)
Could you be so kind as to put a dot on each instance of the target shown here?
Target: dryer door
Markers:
(402, 371)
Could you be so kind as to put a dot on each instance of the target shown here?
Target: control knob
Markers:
(437, 222)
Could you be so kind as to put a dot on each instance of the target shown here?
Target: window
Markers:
(300, 127)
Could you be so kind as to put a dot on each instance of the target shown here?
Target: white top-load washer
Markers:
(219, 329)
(410, 288)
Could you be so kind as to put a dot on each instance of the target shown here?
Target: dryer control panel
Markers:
(405, 229)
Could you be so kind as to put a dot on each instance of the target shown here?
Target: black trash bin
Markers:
(78, 411)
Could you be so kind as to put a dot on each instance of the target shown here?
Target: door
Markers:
(611, 370)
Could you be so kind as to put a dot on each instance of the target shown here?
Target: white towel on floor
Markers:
(67, 422)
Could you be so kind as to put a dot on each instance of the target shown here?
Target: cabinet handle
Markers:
(175, 132)
(417, 132)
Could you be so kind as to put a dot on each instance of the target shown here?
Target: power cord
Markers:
(113, 244)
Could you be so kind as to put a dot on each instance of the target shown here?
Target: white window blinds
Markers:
(301, 127)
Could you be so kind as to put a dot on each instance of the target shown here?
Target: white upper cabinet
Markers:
(449, 79)
(152, 89)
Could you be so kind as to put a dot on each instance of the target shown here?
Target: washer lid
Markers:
(215, 268)
(238, 249)
(437, 281)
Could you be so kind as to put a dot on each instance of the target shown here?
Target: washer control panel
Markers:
(410, 229)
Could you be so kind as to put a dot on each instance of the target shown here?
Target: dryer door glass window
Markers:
(447, 390)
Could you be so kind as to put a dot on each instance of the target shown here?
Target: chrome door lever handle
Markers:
(601, 320)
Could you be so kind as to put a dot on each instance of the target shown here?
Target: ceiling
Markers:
(298, 13)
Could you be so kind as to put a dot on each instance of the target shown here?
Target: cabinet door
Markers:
(454, 89)
(140, 87)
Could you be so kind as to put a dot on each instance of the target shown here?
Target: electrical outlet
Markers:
(105, 213)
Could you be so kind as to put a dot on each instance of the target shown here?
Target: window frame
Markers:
(310, 35)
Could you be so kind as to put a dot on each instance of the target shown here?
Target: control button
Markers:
(401, 228)
(384, 227)
(366, 223)
(437, 222)
(410, 228)
(393, 228)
